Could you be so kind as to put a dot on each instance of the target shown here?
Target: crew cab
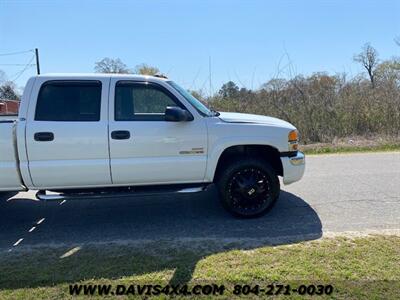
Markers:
(96, 135)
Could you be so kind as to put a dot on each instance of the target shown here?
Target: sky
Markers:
(248, 42)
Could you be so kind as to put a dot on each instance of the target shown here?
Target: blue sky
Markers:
(248, 41)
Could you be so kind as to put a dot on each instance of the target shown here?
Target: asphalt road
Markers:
(348, 192)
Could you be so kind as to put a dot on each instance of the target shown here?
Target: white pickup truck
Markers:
(99, 135)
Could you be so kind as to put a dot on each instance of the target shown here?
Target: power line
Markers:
(17, 75)
(15, 64)
(16, 53)
(27, 66)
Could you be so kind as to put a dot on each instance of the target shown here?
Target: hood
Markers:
(256, 119)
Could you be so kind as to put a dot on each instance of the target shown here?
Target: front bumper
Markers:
(293, 167)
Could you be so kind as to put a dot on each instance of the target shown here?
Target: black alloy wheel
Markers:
(249, 188)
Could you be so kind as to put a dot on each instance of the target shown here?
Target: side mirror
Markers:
(177, 114)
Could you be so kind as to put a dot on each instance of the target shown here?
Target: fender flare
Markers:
(225, 143)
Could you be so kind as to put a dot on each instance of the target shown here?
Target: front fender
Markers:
(224, 143)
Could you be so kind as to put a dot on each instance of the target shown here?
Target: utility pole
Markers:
(37, 61)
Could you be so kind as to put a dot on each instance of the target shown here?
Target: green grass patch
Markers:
(328, 149)
(365, 267)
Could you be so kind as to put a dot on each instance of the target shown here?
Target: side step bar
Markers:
(140, 191)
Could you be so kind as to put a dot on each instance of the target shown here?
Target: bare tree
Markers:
(397, 41)
(368, 57)
(199, 95)
(111, 65)
(8, 91)
(2, 76)
(144, 69)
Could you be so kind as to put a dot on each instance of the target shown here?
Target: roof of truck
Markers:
(101, 75)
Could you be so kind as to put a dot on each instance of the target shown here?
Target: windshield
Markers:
(200, 107)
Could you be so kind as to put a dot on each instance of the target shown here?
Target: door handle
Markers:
(43, 136)
(120, 135)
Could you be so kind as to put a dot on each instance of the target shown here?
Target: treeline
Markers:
(8, 91)
(324, 107)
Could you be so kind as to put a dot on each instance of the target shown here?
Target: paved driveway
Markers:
(349, 192)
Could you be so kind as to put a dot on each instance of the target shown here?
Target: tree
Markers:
(8, 91)
(144, 69)
(199, 95)
(397, 40)
(368, 58)
(275, 84)
(229, 90)
(388, 71)
(2, 76)
(111, 65)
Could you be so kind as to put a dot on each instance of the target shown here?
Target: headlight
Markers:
(293, 140)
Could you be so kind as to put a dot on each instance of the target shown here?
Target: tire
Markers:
(241, 191)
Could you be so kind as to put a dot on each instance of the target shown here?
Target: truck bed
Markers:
(9, 174)
(8, 117)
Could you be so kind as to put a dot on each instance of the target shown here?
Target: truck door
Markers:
(146, 149)
(66, 133)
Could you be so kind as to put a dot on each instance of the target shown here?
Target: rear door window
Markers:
(71, 101)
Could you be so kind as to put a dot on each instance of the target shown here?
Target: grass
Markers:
(363, 267)
(331, 148)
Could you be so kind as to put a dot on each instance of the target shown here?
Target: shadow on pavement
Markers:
(190, 219)
(4, 196)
